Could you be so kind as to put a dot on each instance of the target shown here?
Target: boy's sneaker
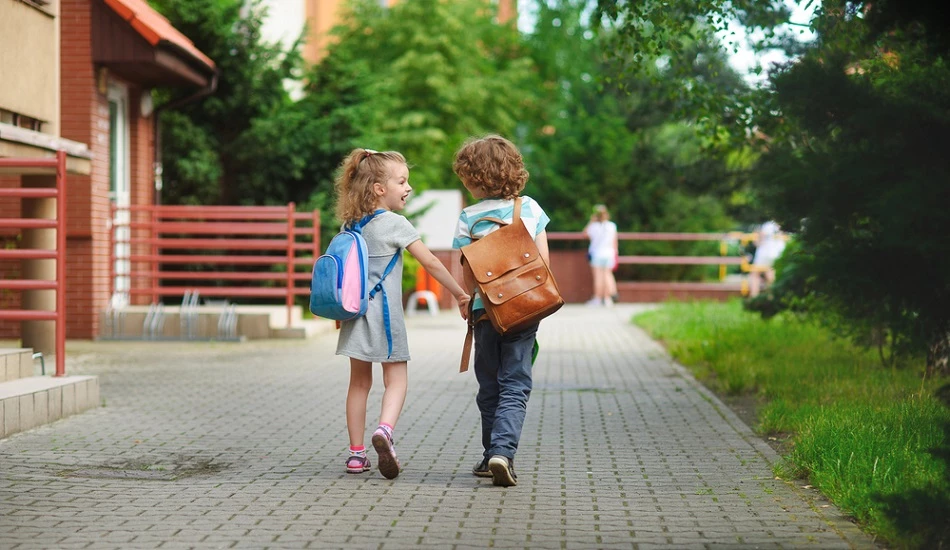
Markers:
(357, 464)
(383, 443)
(502, 471)
(481, 469)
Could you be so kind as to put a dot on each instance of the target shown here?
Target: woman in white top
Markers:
(770, 243)
(602, 253)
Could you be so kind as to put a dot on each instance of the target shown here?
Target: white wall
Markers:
(437, 225)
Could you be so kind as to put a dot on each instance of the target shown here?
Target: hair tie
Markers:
(368, 153)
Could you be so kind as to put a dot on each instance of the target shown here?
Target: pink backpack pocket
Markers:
(351, 290)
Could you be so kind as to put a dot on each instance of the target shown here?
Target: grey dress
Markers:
(365, 337)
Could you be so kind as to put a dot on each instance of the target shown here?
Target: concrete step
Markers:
(15, 363)
(28, 401)
(38, 400)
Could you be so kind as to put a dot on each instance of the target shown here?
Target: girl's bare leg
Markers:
(598, 282)
(396, 382)
(602, 275)
(361, 380)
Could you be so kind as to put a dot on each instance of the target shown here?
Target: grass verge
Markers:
(869, 438)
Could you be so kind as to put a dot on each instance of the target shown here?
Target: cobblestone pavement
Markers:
(223, 445)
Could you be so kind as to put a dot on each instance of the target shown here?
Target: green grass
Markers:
(858, 431)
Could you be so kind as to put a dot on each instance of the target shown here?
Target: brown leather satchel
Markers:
(516, 285)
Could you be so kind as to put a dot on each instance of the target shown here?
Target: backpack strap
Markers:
(358, 227)
(379, 287)
(515, 216)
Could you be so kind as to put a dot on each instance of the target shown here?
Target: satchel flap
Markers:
(502, 250)
(500, 291)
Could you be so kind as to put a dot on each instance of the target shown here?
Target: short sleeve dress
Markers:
(365, 337)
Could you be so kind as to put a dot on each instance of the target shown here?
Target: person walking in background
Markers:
(492, 170)
(378, 182)
(770, 243)
(602, 253)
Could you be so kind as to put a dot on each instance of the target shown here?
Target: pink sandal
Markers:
(383, 443)
(357, 464)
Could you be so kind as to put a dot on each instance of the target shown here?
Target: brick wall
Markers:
(85, 118)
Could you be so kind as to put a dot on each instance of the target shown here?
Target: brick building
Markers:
(107, 56)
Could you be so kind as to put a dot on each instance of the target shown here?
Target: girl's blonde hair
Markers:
(354, 184)
(492, 164)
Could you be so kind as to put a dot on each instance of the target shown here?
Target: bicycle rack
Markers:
(154, 324)
(115, 316)
(189, 315)
(227, 322)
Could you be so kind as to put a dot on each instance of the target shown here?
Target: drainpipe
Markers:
(157, 128)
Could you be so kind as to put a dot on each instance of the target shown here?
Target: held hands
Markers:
(463, 301)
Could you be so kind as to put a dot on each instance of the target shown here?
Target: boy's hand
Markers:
(463, 301)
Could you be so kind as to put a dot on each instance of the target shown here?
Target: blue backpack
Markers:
(339, 286)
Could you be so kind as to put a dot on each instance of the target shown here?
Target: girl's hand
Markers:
(463, 301)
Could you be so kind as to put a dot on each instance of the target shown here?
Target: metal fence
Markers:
(55, 165)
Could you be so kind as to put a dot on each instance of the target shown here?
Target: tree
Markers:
(853, 132)
(644, 31)
(421, 77)
(860, 158)
(614, 138)
(235, 146)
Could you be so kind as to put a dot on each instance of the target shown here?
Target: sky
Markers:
(745, 60)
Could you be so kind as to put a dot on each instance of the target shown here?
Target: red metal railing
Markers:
(59, 224)
(254, 239)
(723, 260)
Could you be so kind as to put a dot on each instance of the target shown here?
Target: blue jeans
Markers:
(503, 371)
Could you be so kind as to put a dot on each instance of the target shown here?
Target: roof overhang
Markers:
(16, 142)
(136, 43)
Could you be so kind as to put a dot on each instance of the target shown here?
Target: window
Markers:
(45, 6)
(23, 121)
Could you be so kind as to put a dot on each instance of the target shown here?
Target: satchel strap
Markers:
(516, 215)
(467, 348)
(469, 338)
(498, 221)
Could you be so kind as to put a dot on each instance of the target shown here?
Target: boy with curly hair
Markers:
(492, 170)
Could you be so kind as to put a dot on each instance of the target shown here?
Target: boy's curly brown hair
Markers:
(492, 164)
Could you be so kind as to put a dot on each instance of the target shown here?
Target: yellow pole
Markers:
(723, 249)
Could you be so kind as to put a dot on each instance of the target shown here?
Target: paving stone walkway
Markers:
(227, 445)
